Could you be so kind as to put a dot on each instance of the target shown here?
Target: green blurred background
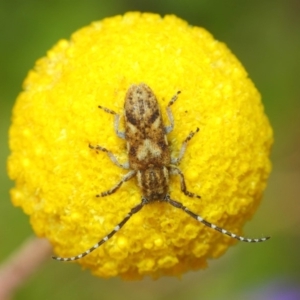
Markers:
(265, 36)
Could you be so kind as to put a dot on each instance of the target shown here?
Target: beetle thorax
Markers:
(154, 182)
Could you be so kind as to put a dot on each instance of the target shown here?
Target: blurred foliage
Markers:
(265, 36)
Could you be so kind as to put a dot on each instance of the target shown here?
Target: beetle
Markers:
(149, 159)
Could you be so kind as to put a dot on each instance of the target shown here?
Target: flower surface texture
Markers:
(57, 175)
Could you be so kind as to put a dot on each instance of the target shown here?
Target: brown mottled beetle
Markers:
(149, 158)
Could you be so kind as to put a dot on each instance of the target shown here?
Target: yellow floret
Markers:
(57, 175)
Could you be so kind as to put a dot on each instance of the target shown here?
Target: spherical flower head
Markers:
(57, 175)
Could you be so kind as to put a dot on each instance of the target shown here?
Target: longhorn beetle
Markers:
(149, 159)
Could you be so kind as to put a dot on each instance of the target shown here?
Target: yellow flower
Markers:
(57, 175)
